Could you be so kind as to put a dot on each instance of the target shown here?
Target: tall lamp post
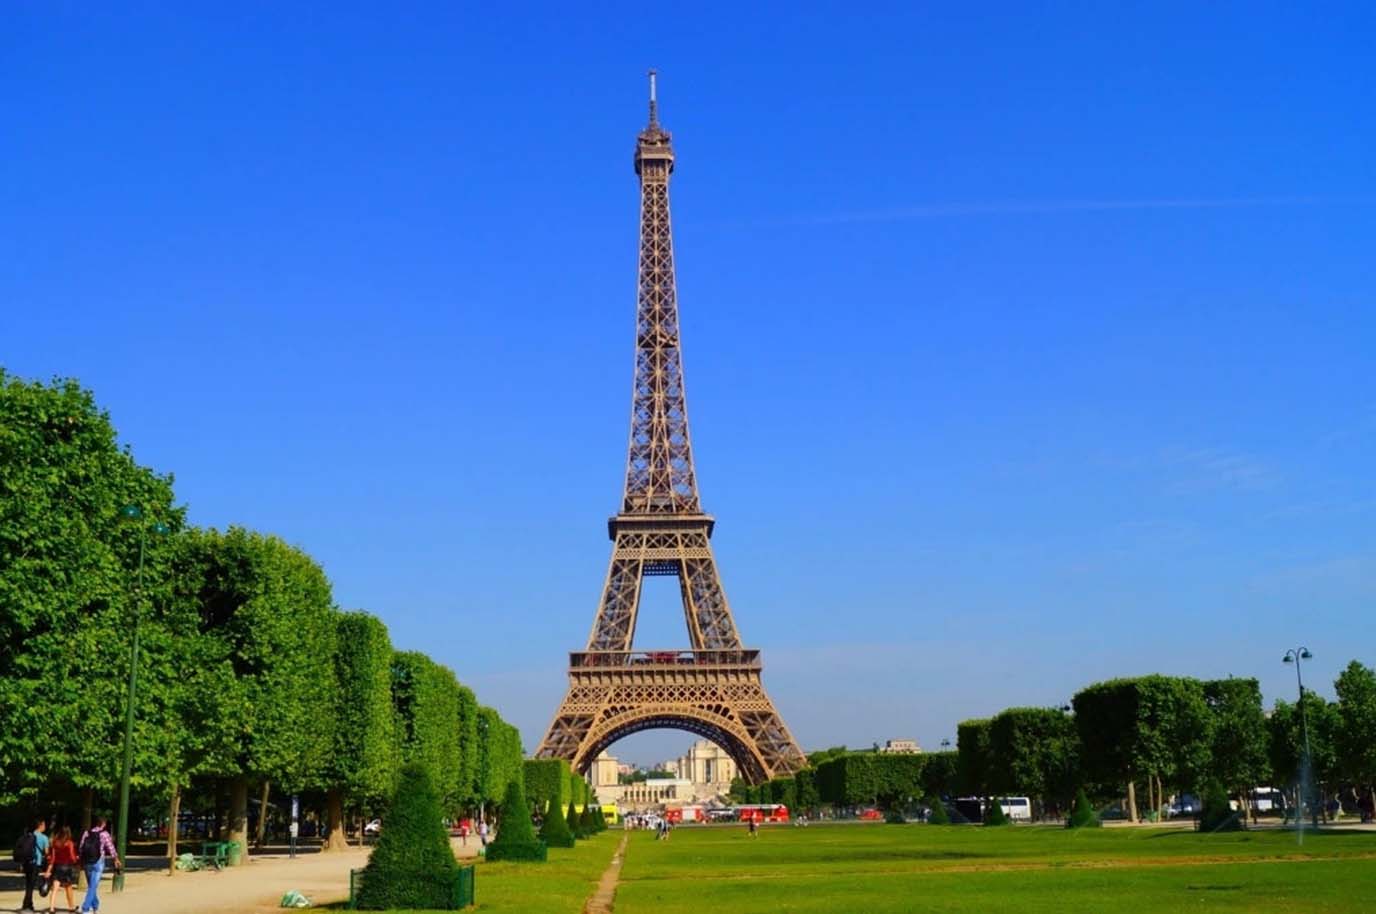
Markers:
(1297, 656)
(132, 513)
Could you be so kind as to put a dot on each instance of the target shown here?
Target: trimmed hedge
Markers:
(547, 780)
(1217, 815)
(587, 821)
(412, 866)
(554, 831)
(939, 815)
(516, 836)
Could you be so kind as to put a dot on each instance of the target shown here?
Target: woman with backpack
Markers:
(61, 867)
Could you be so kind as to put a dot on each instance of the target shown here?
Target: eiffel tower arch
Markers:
(714, 688)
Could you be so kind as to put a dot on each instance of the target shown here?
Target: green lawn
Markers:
(887, 869)
(878, 868)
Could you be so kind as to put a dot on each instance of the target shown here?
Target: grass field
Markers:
(916, 868)
(878, 868)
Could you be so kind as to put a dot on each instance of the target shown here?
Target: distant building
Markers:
(900, 747)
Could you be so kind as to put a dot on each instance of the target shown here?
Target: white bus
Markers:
(1019, 809)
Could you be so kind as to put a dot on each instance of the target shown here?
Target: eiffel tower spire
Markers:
(713, 689)
(659, 467)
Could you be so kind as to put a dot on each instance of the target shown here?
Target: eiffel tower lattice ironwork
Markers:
(713, 689)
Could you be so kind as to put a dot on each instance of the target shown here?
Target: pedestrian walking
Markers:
(29, 853)
(61, 870)
(482, 832)
(754, 826)
(95, 847)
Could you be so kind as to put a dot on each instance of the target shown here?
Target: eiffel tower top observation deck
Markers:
(714, 688)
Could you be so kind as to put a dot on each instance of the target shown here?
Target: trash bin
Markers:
(234, 852)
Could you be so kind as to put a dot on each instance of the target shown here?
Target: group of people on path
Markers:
(50, 863)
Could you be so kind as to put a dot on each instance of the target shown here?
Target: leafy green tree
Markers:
(1354, 737)
(268, 609)
(425, 699)
(499, 756)
(466, 792)
(939, 774)
(362, 764)
(1286, 743)
(548, 780)
(738, 791)
(67, 563)
(972, 756)
(1239, 738)
(412, 866)
(554, 830)
(515, 835)
(806, 794)
(1033, 751)
(1151, 727)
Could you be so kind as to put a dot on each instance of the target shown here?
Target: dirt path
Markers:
(255, 888)
(600, 902)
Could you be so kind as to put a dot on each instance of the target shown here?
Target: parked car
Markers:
(1187, 804)
(373, 828)
(870, 815)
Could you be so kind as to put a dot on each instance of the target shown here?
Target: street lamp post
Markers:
(1297, 656)
(133, 513)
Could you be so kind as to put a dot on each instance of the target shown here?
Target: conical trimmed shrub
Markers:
(412, 866)
(515, 835)
(554, 831)
(587, 822)
(938, 815)
(1216, 814)
(574, 821)
(995, 815)
(599, 818)
(1082, 814)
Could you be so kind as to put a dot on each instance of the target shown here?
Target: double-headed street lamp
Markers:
(132, 513)
(1297, 656)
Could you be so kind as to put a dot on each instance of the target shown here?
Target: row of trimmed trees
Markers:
(249, 676)
(1147, 737)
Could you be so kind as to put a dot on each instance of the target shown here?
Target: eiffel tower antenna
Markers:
(654, 108)
(714, 687)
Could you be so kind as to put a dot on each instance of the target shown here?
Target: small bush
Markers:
(575, 822)
(892, 816)
(554, 831)
(1082, 814)
(1217, 815)
(938, 815)
(412, 865)
(516, 836)
(994, 814)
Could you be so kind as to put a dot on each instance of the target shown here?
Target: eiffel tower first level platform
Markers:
(714, 687)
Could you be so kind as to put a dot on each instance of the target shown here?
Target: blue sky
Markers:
(1025, 346)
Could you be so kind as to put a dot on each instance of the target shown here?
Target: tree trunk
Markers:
(262, 817)
(88, 803)
(238, 814)
(335, 838)
(1132, 802)
(174, 810)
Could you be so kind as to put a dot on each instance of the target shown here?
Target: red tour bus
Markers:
(762, 812)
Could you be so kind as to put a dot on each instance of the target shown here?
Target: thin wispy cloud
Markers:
(1052, 207)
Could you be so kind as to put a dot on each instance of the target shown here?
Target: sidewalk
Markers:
(254, 888)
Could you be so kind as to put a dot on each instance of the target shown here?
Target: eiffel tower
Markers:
(713, 689)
